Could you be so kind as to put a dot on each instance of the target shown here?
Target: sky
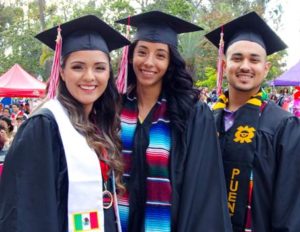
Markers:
(290, 30)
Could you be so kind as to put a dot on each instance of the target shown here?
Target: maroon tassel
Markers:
(121, 81)
(220, 64)
(54, 76)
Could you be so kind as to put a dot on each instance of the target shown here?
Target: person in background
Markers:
(259, 140)
(20, 119)
(202, 95)
(1, 168)
(6, 112)
(273, 98)
(2, 152)
(273, 95)
(296, 102)
(6, 123)
(21, 106)
(63, 168)
(27, 109)
(3, 141)
(284, 99)
(213, 95)
(173, 170)
(14, 110)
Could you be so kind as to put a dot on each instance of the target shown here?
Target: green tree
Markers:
(18, 44)
(17, 29)
(210, 81)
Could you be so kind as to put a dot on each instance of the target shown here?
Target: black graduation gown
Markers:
(276, 172)
(34, 184)
(196, 174)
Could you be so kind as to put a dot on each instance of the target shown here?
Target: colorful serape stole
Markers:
(158, 186)
(129, 117)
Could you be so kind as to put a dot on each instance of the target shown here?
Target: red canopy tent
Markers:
(16, 82)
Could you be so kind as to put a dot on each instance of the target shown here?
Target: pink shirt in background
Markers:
(1, 169)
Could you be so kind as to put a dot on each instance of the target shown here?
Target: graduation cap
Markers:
(157, 26)
(250, 27)
(84, 33)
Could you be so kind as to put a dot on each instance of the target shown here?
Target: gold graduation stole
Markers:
(238, 146)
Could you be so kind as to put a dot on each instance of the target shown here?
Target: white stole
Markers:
(84, 174)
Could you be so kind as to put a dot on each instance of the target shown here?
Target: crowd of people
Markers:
(11, 118)
(285, 97)
(163, 156)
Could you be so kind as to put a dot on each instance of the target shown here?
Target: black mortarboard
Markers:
(156, 26)
(85, 33)
(249, 27)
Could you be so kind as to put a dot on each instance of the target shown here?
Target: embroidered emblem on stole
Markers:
(244, 134)
(86, 221)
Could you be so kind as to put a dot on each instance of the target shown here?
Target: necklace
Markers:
(107, 195)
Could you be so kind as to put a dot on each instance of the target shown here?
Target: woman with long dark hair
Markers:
(173, 170)
(63, 169)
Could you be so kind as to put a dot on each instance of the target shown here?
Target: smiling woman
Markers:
(86, 75)
(150, 63)
(66, 156)
(169, 139)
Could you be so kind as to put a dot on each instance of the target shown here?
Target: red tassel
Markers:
(122, 72)
(121, 81)
(220, 64)
(54, 76)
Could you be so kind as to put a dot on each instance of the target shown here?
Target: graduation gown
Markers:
(276, 171)
(196, 174)
(34, 184)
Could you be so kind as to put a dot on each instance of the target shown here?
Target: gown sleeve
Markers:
(203, 205)
(33, 187)
(286, 201)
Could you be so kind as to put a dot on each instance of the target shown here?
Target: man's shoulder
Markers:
(272, 117)
(273, 108)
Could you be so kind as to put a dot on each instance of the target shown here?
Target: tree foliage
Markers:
(21, 20)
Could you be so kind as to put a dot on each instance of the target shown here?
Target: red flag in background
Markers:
(220, 64)
(54, 76)
(121, 81)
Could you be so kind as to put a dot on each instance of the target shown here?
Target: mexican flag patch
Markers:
(86, 221)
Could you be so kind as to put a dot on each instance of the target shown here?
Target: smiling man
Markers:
(259, 141)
